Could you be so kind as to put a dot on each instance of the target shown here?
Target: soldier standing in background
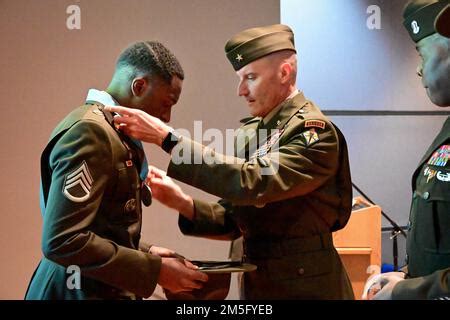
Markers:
(428, 242)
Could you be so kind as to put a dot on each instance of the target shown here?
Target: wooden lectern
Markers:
(359, 243)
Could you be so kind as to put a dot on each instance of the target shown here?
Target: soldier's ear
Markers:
(139, 86)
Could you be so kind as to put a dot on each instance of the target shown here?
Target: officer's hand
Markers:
(165, 190)
(140, 125)
(154, 172)
(162, 252)
(387, 282)
(178, 275)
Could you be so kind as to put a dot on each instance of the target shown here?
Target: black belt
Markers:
(255, 248)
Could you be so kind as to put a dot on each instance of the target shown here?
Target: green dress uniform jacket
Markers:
(91, 206)
(428, 243)
(286, 215)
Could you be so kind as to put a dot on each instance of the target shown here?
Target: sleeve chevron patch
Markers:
(78, 184)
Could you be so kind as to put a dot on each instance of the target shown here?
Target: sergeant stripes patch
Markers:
(78, 184)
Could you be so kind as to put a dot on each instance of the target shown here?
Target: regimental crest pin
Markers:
(429, 173)
(97, 111)
(78, 184)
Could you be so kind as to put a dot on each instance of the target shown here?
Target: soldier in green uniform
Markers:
(92, 187)
(284, 194)
(428, 243)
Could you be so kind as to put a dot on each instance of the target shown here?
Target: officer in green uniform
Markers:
(92, 188)
(285, 191)
(428, 243)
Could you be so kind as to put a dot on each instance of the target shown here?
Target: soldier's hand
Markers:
(372, 291)
(371, 287)
(179, 275)
(387, 282)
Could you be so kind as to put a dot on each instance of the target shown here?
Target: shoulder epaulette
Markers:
(248, 120)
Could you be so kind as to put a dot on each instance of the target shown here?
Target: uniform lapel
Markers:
(275, 126)
(288, 109)
(242, 150)
(439, 140)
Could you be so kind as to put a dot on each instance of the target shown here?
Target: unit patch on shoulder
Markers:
(310, 137)
(315, 124)
(78, 184)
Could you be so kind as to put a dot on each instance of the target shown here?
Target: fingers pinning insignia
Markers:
(78, 184)
(310, 137)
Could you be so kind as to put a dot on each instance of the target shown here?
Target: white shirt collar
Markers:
(101, 96)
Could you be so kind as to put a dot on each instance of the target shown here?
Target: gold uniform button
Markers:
(130, 205)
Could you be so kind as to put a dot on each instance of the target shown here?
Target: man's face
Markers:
(259, 84)
(159, 97)
(435, 68)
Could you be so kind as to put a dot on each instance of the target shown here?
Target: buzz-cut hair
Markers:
(150, 58)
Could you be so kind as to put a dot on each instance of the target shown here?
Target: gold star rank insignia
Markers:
(310, 137)
(239, 57)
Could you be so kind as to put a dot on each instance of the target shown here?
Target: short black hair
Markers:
(151, 58)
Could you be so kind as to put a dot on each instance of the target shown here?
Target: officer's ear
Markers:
(285, 72)
(139, 86)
